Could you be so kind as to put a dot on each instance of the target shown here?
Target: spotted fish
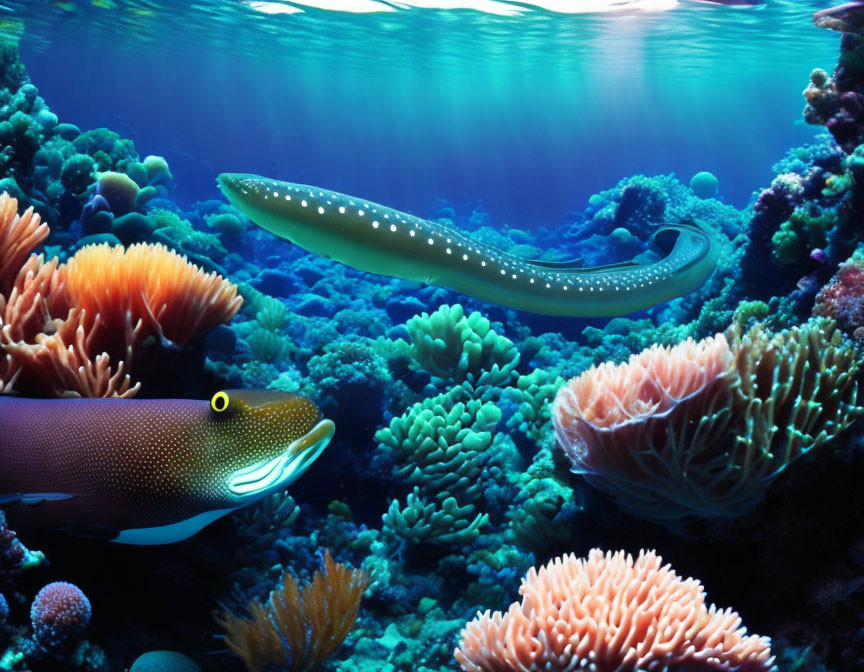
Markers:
(381, 240)
(151, 471)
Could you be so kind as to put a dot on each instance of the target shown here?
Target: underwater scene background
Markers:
(224, 450)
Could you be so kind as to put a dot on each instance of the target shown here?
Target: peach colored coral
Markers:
(610, 613)
(62, 363)
(173, 298)
(651, 383)
(19, 236)
(699, 430)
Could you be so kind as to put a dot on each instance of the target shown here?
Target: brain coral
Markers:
(59, 613)
(609, 613)
(700, 429)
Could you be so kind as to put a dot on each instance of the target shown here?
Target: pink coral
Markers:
(608, 613)
(700, 429)
(842, 299)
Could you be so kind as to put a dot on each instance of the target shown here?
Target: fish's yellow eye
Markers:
(219, 402)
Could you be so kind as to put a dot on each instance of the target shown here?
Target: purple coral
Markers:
(59, 613)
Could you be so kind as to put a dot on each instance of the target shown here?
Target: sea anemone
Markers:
(608, 613)
(698, 430)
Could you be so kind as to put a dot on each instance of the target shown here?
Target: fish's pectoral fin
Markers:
(31, 498)
(39, 497)
(89, 531)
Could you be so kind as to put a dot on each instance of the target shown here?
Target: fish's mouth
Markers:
(276, 474)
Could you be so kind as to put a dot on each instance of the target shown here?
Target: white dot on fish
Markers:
(320, 210)
(413, 233)
(276, 194)
(482, 263)
(361, 213)
(449, 251)
(304, 203)
(503, 272)
(375, 224)
(287, 197)
(464, 257)
(393, 227)
(431, 241)
(341, 209)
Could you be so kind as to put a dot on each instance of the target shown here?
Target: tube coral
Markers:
(698, 430)
(297, 629)
(608, 613)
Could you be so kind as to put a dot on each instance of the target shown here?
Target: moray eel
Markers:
(381, 240)
(151, 471)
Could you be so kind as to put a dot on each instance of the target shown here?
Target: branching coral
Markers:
(19, 236)
(298, 628)
(700, 429)
(62, 326)
(609, 613)
(534, 394)
(457, 348)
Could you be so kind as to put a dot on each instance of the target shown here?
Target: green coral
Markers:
(267, 346)
(457, 348)
(541, 518)
(534, 394)
(444, 523)
(441, 447)
(272, 314)
(441, 444)
(806, 229)
(78, 173)
(175, 231)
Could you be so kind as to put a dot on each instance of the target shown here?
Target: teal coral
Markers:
(441, 447)
(445, 523)
(458, 348)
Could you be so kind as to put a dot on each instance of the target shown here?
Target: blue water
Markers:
(528, 114)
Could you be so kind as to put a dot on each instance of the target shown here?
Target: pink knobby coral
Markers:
(842, 299)
(699, 429)
(609, 613)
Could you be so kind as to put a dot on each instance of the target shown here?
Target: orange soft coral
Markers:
(19, 236)
(608, 613)
(62, 327)
(173, 298)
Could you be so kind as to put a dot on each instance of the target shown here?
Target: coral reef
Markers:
(610, 612)
(298, 629)
(63, 325)
(59, 614)
(444, 482)
(700, 429)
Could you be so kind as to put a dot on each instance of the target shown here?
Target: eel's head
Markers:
(265, 439)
